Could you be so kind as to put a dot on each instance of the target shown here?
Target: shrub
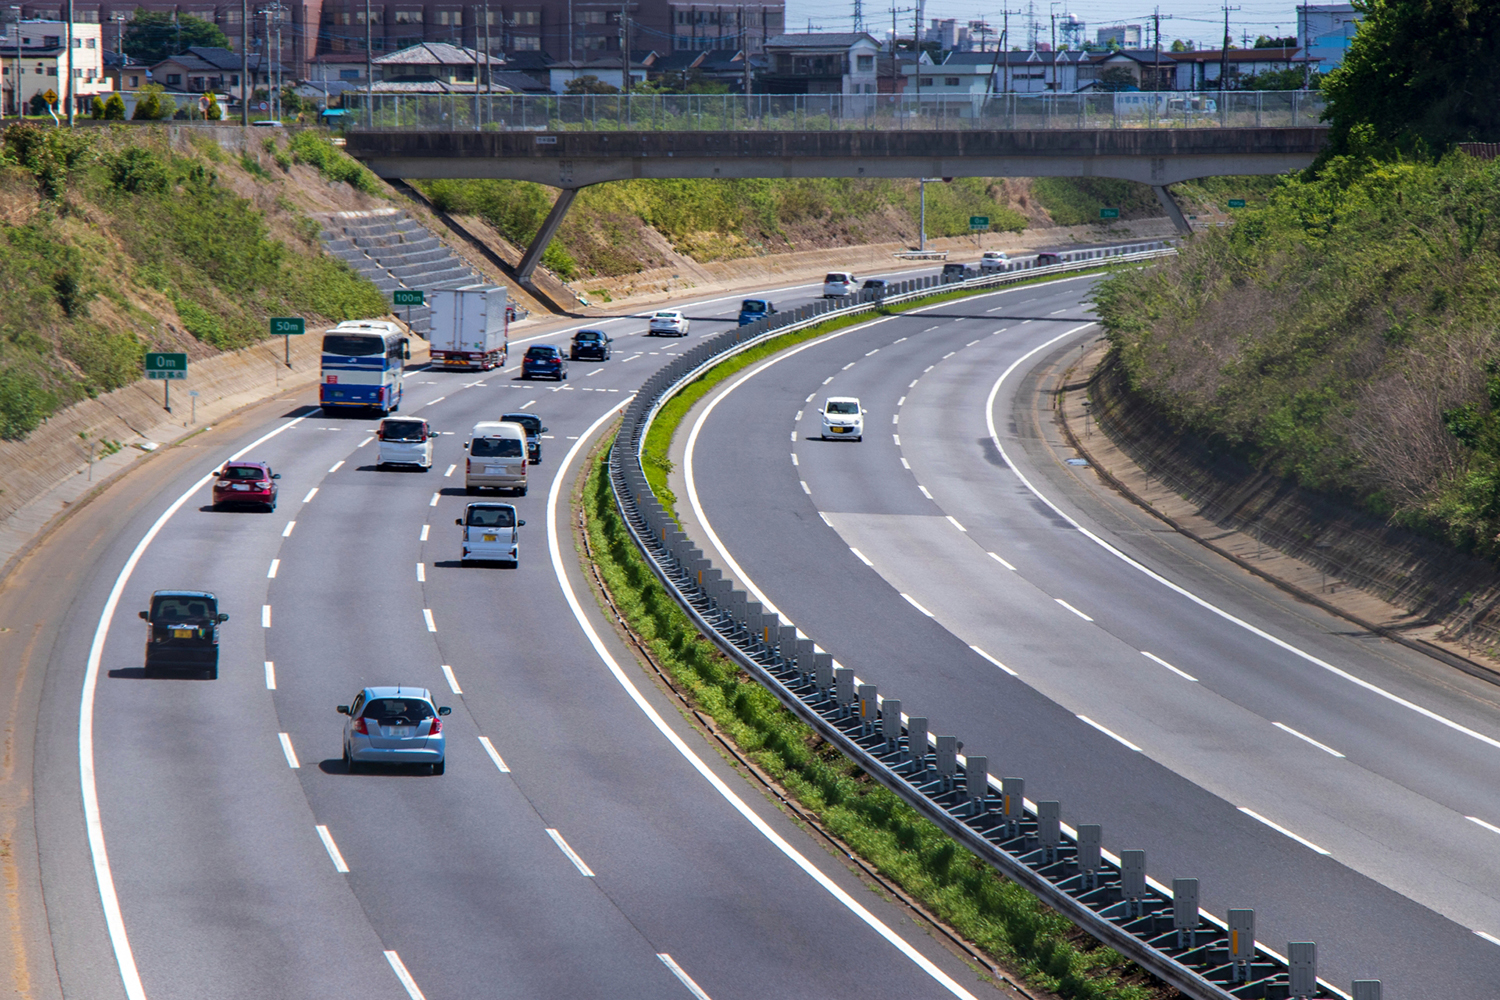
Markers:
(24, 402)
(311, 148)
(139, 171)
(153, 104)
(96, 108)
(114, 108)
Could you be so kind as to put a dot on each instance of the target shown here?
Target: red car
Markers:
(246, 483)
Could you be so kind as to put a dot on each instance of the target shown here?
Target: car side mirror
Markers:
(521, 523)
(544, 430)
(221, 618)
(445, 710)
(143, 615)
(343, 709)
(275, 475)
(406, 354)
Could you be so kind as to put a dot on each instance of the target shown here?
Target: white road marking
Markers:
(798, 416)
(1001, 330)
(913, 602)
(996, 662)
(683, 977)
(1002, 562)
(810, 396)
(949, 355)
(421, 572)
(365, 441)
(1283, 830)
(896, 439)
(828, 379)
(528, 404)
(954, 521)
(929, 329)
(825, 518)
(310, 494)
(897, 341)
(270, 676)
(427, 617)
(868, 353)
(275, 565)
(895, 418)
(1307, 739)
(1025, 321)
(593, 373)
(287, 531)
(901, 401)
(1180, 673)
(805, 488)
(794, 436)
(425, 529)
(971, 343)
(1057, 312)
(286, 748)
(489, 748)
(265, 616)
(928, 369)
(452, 681)
(572, 855)
(450, 471)
(1112, 735)
(913, 384)
(904, 463)
(862, 557)
(1488, 826)
(433, 501)
(922, 488)
(1070, 607)
(337, 465)
(794, 459)
(333, 851)
(1488, 937)
(399, 968)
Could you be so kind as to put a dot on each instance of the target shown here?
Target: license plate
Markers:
(240, 486)
(182, 633)
(492, 538)
(841, 430)
(494, 470)
(402, 731)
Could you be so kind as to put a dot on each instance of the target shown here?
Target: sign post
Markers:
(1109, 213)
(978, 224)
(194, 394)
(288, 327)
(166, 367)
(408, 297)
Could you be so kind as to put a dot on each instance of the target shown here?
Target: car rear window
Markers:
(666, 315)
(404, 430)
(495, 448)
(182, 609)
(752, 306)
(532, 424)
(837, 276)
(492, 517)
(242, 472)
(540, 353)
(585, 336)
(389, 710)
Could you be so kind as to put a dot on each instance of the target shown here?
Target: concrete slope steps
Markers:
(395, 251)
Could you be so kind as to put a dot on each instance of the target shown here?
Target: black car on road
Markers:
(544, 361)
(590, 344)
(182, 632)
(534, 432)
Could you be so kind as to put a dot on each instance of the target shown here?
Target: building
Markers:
(604, 68)
(125, 72)
(1324, 33)
(42, 62)
(1200, 70)
(1147, 69)
(204, 68)
(948, 34)
(1038, 71)
(721, 27)
(1126, 36)
(821, 63)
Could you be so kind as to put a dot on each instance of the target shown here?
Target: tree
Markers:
(152, 36)
(1279, 79)
(589, 85)
(114, 108)
(153, 104)
(1417, 76)
(213, 112)
(1266, 42)
(1178, 45)
(96, 108)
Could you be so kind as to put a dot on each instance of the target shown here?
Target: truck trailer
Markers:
(469, 327)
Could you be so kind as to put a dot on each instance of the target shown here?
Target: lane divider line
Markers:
(1283, 830)
(1158, 660)
(433, 502)
(904, 463)
(365, 441)
(427, 617)
(286, 748)
(310, 494)
(1307, 739)
(996, 662)
(1070, 607)
(924, 491)
(271, 573)
(1110, 733)
(1002, 562)
(287, 531)
(452, 681)
(270, 676)
(265, 616)
(337, 465)
(333, 849)
(450, 471)
(425, 528)
(862, 557)
(1488, 826)
(489, 748)
(683, 977)
(913, 602)
(954, 521)
(421, 572)
(1488, 937)
(399, 968)
(571, 854)
(805, 488)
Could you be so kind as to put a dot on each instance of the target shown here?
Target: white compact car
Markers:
(837, 284)
(993, 260)
(668, 321)
(490, 533)
(404, 441)
(843, 417)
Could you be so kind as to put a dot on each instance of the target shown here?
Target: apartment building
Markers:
(33, 61)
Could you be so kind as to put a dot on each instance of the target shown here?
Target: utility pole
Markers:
(1053, 14)
(245, 87)
(68, 89)
(369, 69)
(745, 49)
(1156, 70)
(624, 46)
(474, 12)
(1224, 54)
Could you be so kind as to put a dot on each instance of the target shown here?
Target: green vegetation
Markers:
(154, 35)
(153, 104)
(333, 163)
(125, 239)
(998, 916)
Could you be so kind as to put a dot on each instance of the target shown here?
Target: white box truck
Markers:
(469, 327)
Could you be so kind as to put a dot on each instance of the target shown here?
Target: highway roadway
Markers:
(585, 841)
(1339, 784)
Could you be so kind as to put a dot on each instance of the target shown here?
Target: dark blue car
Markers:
(544, 361)
(755, 309)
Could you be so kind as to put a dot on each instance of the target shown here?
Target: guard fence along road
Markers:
(1160, 928)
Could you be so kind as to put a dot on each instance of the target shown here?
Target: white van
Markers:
(489, 533)
(497, 457)
(404, 441)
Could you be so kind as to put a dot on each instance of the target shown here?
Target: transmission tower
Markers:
(859, 16)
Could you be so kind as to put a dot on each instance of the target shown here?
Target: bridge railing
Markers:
(828, 112)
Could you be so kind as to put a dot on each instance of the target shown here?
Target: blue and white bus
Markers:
(363, 361)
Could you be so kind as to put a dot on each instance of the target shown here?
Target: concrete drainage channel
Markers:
(1159, 928)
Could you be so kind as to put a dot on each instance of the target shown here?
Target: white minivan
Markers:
(404, 441)
(497, 457)
(837, 284)
(490, 533)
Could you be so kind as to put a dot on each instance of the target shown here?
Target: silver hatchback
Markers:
(394, 725)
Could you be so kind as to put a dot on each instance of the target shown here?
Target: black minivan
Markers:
(958, 272)
(182, 632)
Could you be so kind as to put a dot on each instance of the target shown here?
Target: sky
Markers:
(1190, 19)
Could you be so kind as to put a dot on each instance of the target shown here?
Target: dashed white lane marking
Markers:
(365, 441)
(954, 521)
(913, 384)
(901, 401)
(798, 416)
(825, 518)
(897, 439)
(572, 855)
(1057, 312)
(421, 572)
(1070, 607)
(275, 565)
(929, 329)
(683, 977)
(810, 396)
(433, 402)
(904, 463)
(913, 602)
(1025, 321)
(1488, 937)
(433, 502)
(286, 748)
(794, 435)
(1307, 739)
(928, 369)
(861, 556)
(1002, 562)
(593, 373)
(924, 491)
(828, 379)
(270, 675)
(529, 403)
(310, 494)
(1488, 826)
(971, 343)
(895, 418)
(489, 748)
(805, 488)
(452, 681)
(897, 341)
(427, 617)
(1110, 733)
(337, 465)
(333, 850)
(450, 471)
(425, 529)
(794, 459)
(996, 662)
(949, 355)
(1283, 830)
(1158, 660)
(876, 351)
(399, 968)
(287, 531)
(265, 616)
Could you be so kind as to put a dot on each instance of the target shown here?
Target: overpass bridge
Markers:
(1159, 139)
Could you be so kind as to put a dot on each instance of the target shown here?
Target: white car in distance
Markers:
(490, 533)
(668, 321)
(993, 260)
(843, 417)
(404, 441)
(839, 284)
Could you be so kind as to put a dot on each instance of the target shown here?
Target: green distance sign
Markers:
(162, 365)
(408, 297)
(979, 222)
(288, 326)
(1236, 203)
(1109, 213)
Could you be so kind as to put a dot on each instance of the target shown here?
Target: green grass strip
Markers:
(997, 916)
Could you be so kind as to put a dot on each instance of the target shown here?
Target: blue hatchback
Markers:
(394, 725)
(544, 360)
(752, 310)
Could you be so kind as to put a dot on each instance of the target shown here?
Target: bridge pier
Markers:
(1174, 212)
(533, 255)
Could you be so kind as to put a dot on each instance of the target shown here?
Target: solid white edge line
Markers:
(1180, 673)
(913, 602)
(333, 849)
(1002, 562)
(989, 416)
(275, 565)
(996, 662)
(452, 681)
(489, 748)
(427, 617)
(399, 968)
(1110, 733)
(286, 748)
(1070, 607)
(1488, 826)
(737, 803)
(861, 557)
(270, 676)
(109, 901)
(1283, 830)
(1307, 739)
(571, 854)
(683, 977)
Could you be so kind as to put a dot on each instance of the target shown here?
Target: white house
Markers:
(38, 47)
(821, 63)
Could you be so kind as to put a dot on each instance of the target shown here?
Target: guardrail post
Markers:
(843, 689)
(750, 619)
(868, 709)
(947, 760)
(1302, 969)
(823, 671)
(735, 604)
(786, 646)
(890, 724)
(1185, 911)
(977, 782)
(1366, 989)
(770, 624)
(1133, 881)
(1241, 944)
(1013, 804)
(805, 660)
(1090, 851)
(916, 747)
(1049, 829)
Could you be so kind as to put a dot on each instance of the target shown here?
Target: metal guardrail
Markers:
(829, 112)
(1161, 929)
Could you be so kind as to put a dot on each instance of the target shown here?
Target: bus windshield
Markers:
(353, 345)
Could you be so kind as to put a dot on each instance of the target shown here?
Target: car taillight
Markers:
(468, 465)
(437, 726)
(360, 728)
